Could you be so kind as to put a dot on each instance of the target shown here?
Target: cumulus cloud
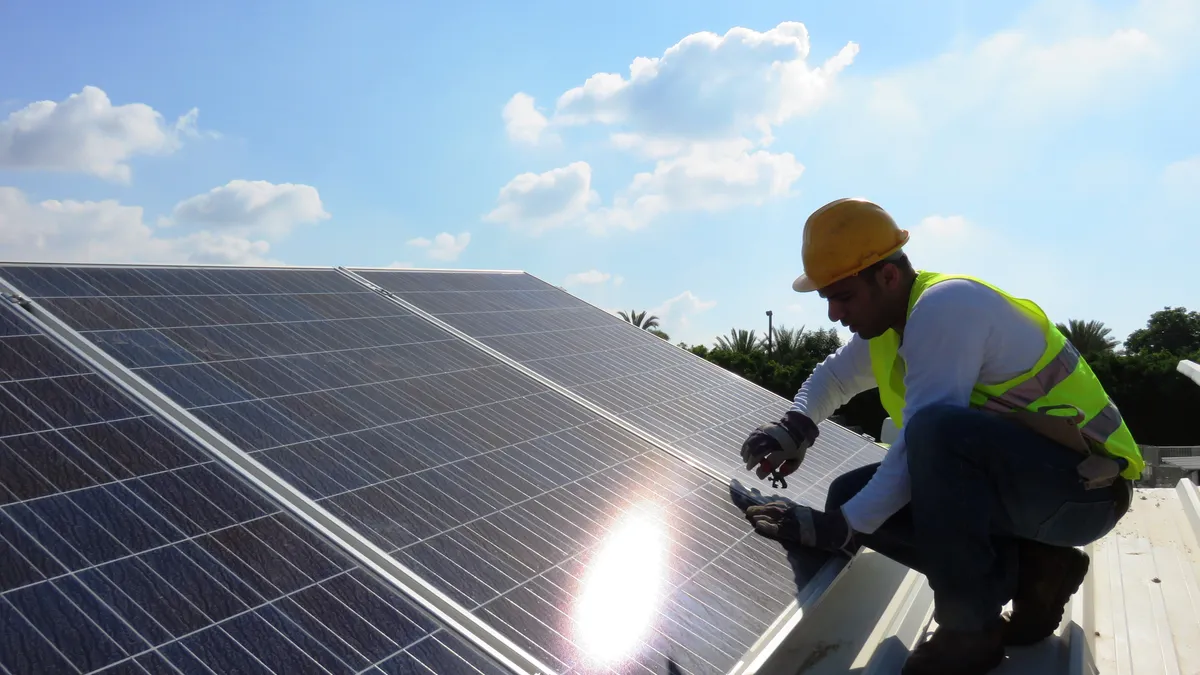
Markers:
(444, 246)
(708, 177)
(246, 208)
(539, 201)
(233, 224)
(676, 315)
(709, 86)
(588, 278)
(107, 231)
(523, 121)
(703, 112)
(87, 133)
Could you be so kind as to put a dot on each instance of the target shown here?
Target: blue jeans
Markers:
(979, 484)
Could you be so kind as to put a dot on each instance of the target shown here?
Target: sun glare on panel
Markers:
(622, 587)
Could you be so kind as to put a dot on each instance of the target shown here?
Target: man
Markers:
(1009, 452)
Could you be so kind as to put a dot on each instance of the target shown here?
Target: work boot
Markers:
(954, 652)
(1047, 577)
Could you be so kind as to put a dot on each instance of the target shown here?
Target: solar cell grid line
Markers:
(126, 547)
(694, 407)
(438, 459)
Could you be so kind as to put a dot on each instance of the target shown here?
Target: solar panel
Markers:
(517, 503)
(693, 405)
(125, 547)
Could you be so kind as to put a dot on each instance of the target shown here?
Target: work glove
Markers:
(778, 448)
(787, 522)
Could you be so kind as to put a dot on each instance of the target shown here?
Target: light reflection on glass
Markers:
(622, 588)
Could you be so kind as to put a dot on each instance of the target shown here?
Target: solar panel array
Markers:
(125, 548)
(693, 405)
(505, 495)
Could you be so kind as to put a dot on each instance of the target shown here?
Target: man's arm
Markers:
(839, 378)
(944, 346)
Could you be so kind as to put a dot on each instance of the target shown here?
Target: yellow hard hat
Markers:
(843, 237)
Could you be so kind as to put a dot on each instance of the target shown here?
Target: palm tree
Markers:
(741, 341)
(1090, 338)
(639, 319)
(786, 343)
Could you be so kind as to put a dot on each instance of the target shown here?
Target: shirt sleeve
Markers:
(839, 378)
(945, 340)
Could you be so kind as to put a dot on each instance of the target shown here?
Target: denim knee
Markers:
(934, 430)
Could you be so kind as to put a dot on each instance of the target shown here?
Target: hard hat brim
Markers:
(803, 284)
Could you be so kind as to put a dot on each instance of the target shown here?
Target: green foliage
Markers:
(740, 341)
(1091, 338)
(1169, 330)
(639, 319)
(1158, 402)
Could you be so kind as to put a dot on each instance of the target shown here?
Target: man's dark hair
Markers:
(899, 259)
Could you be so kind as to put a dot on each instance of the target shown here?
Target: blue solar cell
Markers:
(694, 406)
(124, 548)
(504, 495)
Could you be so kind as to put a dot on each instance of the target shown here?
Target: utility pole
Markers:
(770, 334)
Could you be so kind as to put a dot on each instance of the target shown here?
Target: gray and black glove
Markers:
(792, 523)
(778, 448)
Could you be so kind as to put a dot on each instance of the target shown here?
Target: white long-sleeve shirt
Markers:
(959, 333)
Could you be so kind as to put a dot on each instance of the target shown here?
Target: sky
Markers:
(658, 156)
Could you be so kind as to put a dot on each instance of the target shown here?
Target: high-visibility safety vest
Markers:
(1060, 377)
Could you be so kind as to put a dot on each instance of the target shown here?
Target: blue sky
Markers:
(1051, 147)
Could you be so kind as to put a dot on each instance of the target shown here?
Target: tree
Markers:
(1090, 338)
(1157, 402)
(639, 319)
(1171, 330)
(740, 341)
(658, 333)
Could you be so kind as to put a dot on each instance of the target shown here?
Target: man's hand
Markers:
(779, 447)
(792, 523)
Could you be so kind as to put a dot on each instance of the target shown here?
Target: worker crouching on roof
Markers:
(1009, 452)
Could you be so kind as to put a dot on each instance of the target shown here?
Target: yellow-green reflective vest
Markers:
(1060, 377)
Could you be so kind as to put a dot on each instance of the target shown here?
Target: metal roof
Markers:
(1138, 610)
(1189, 463)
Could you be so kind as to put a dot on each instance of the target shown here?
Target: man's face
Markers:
(859, 305)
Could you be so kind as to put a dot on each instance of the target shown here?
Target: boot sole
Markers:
(1071, 580)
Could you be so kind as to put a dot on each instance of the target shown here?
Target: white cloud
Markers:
(107, 231)
(676, 314)
(523, 121)
(588, 278)
(248, 208)
(537, 202)
(710, 86)
(401, 265)
(87, 133)
(709, 177)
(444, 246)
(692, 111)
